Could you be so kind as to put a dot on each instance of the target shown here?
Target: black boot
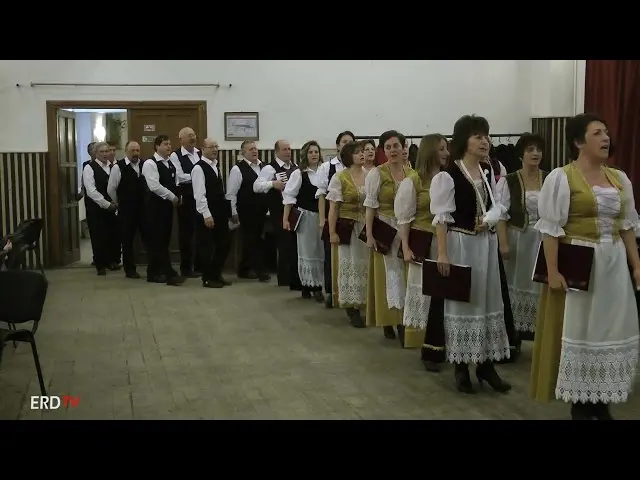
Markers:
(400, 329)
(389, 332)
(601, 411)
(463, 380)
(355, 318)
(486, 372)
(582, 411)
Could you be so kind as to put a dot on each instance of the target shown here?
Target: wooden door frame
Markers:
(54, 254)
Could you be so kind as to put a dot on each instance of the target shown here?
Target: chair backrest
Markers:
(22, 295)
(28, 232)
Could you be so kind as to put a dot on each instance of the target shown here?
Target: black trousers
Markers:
(212, 247)
(103, 229)
(287, 253)
(159, 222)
(251, 229)
(131, 221)
(187, 217)
(327, 267)
(433, 349)
(506, 300)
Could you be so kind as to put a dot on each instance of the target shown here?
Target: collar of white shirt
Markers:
(213, 162)
(158, 158)
(184, 151)
(335, 161)
(281, 163)
(258, 162)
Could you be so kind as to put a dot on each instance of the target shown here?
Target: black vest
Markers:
(248, 201)
(131, 188)
(102, 181)
(332, 172)
(519, 218)
(275, 196)
(185, 161)
(466, 199)
(167, 180)
(219, 207)
(307, 194)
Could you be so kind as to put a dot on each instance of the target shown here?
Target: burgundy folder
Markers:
(420, 245)
(294, 218)
(574, 263)
(344, 229)
(383, 234)
(456, 286)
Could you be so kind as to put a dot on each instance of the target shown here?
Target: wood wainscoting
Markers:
(23, 193)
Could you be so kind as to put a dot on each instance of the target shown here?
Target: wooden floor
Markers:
(134, 350)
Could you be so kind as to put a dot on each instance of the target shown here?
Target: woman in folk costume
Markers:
(300, 190)
(350, 262)
(412, 211)
(369, 150)
(465, 212)
(586, 344)
(387, 280)
(518, 193)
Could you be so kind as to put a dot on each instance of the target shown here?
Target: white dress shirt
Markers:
(199, 187)
(234, 182)
(152, 177)
(292, 188)
(116, 176)
(323, 175)
(265, 179)
(89, 181)
(182, 177)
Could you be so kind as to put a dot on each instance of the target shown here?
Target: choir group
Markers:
(450, 255)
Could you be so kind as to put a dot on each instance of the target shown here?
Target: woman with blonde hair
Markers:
(300, 190)
(412, 209)
(349, 256)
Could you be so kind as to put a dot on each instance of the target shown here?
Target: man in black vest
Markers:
(250, 209)
(214, 212)
(116, 243)
(183, 159)
(101, 217)
(161, 197)
(271, 182)
(127, 189)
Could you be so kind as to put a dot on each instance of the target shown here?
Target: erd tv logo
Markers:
(53, 402)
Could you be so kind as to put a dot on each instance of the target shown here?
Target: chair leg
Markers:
(13, 327)
(36, 360)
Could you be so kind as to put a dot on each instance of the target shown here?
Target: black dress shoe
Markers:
(263, 277)
(485, 372)
(247, 275)
(176, 281)
(224, 282)
(212, 284)
(132, 274)
(190, 274)
(318, 296)
(157, 279)
(101, 271)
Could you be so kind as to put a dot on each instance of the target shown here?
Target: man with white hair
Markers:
(101, 218)
(183, 159)
(214, 212)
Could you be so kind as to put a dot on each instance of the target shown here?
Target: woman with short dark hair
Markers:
(465, 214)
(349, 256)
(586, 344)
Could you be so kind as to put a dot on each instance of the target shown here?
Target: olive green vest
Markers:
(352, 206)
(519, 218)
(388, 190)
(583, 208)
(423, 218)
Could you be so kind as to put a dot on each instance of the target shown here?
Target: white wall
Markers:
(297, 100)
(556, 86)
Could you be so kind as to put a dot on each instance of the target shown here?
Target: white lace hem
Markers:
(602, 372)
(524, 305)
(476, 339)
(416, 307)
(311, 272)
(352, 282)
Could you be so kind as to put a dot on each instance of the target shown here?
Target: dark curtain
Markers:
(380, 156)
(612, 90)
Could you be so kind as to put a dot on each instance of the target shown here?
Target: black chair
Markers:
(25, 239)
(22, 297)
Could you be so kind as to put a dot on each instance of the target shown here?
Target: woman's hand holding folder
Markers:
(557, 281)
(408, 254)
(443, 265)
(636, 277)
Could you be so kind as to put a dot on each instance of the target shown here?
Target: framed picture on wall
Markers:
(241, 126)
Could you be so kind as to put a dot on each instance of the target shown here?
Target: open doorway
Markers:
(95, 125)
(71, 126)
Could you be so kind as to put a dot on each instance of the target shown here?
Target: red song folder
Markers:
(420, 245)
(574, 263)
(383, 234)
(456, 286)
